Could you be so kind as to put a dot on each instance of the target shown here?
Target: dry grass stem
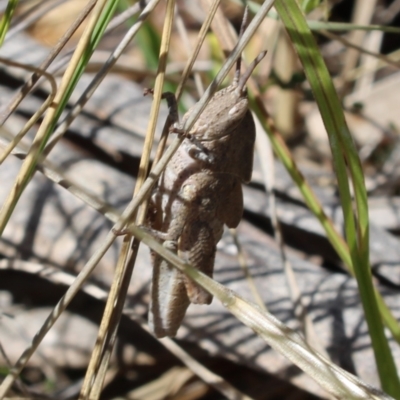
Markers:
(94, 84)
(126, 261)
(35, 117)
(35, 151)
(27, 87)
(218, 329)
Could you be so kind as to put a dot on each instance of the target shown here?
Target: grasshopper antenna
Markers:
(241, 88)
(242, 29)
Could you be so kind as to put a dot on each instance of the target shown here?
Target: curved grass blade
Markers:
(339, 383)
(346, 161)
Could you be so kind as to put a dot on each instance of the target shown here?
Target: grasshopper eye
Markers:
(233, 110)
(188, 192)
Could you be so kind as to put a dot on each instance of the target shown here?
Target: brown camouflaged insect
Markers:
(200, 191)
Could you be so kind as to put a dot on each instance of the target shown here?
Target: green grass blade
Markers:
(6, 19)
(331, 26)
(309, 5)
(97, 34)
(337, 241)
(50, 121)
(149, 41)
(342, 26)
(343, 151)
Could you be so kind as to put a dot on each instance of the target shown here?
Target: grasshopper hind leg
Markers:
(169, 300)
(199, 248)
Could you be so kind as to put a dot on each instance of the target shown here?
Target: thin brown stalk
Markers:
(362, 14)
(227, 38)
(132, 207)
(214, 380)
(94, 84)
(245, 268)
(35, 117)
(31, 16)
(127, 257)
(382, 57)
(185, 75)
(183, 33)
(35, 150)
(200, 39)
(61, 277)
(266, 158)
(114, 23)
(10, 108)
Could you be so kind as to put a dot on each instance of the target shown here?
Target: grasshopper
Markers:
(200, 191)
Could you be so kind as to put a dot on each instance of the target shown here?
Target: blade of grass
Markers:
(265, 153)
(211, 378)
(114, 216)
(328, 25)
(35, 117)
(58, 277)
(185, 75)
(335, 380)
(13, 104)
(6, 19)
(337, 241)
(236, 52)
(128, 253)
(226, 41)
(30, 16)
(94, 377)
(125, 217)
(347, 383)
(200, 39)
(386, 59)
(104, 70)
(343, 150)
(342, 26)
(85, 48)
(149, 42)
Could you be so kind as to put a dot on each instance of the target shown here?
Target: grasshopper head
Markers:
(227, 108)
